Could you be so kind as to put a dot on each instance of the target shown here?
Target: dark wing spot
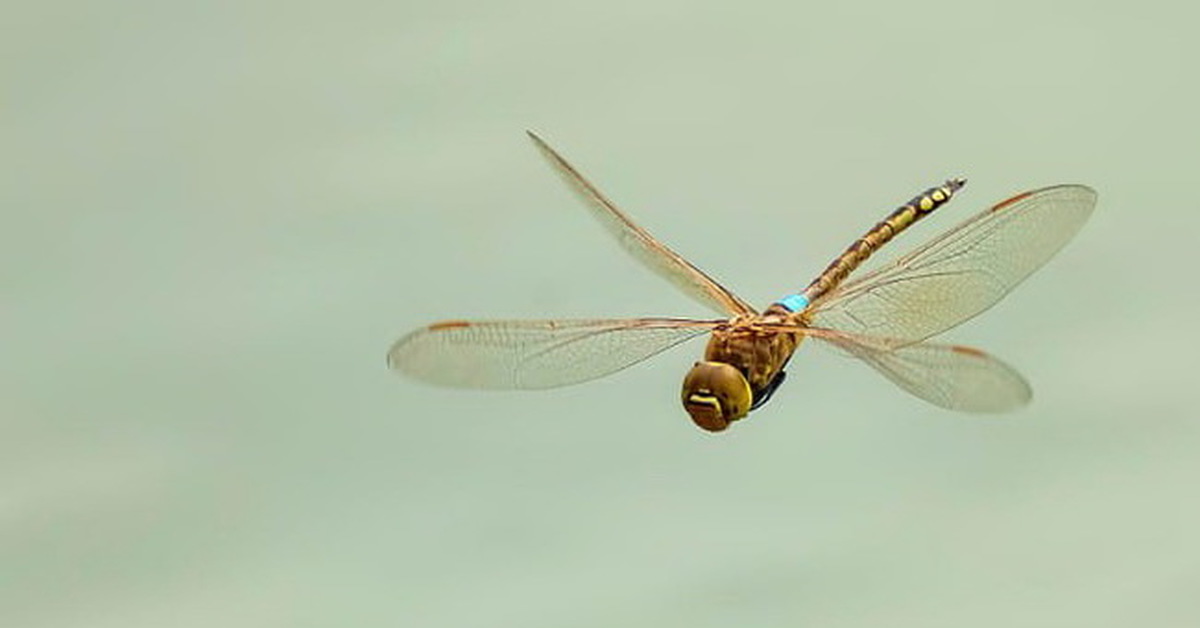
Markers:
(448, 325)
(971, 351)
(1002, 204)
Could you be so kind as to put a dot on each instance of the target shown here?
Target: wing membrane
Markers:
(534, 354)
(962, 272)
(949, 376)
(641, 245)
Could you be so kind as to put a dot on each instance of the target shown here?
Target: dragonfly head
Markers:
(716, 394)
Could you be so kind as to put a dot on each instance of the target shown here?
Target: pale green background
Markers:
(217, 217)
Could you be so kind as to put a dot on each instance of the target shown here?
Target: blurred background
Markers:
(218, 216)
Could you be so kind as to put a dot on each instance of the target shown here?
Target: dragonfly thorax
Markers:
(758, 353)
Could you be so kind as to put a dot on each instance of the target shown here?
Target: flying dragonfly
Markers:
(885, 317)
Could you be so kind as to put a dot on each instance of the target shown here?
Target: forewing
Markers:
(641, 245)
(534, 354)
(949, 376)
(961, 273)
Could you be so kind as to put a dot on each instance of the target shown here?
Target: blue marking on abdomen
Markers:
(794, 302)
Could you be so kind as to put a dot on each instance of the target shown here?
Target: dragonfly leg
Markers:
(763, 395)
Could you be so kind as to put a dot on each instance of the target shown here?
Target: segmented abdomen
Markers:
(920, 206)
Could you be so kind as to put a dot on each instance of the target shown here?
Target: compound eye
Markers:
(715, 394)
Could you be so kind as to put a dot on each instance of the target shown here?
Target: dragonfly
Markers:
(885, 317)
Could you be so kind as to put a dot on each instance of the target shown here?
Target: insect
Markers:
(884, 317)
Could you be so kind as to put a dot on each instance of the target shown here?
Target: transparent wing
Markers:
(949, 376)
(962, 272)
(534, 354)
(641, 245)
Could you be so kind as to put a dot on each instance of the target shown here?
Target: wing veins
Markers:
(641, 245)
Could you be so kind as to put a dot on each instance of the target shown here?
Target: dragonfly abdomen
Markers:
(902, 218)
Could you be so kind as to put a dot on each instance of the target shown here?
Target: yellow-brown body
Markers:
(741, 363)
(744, 360)
(757, 352)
